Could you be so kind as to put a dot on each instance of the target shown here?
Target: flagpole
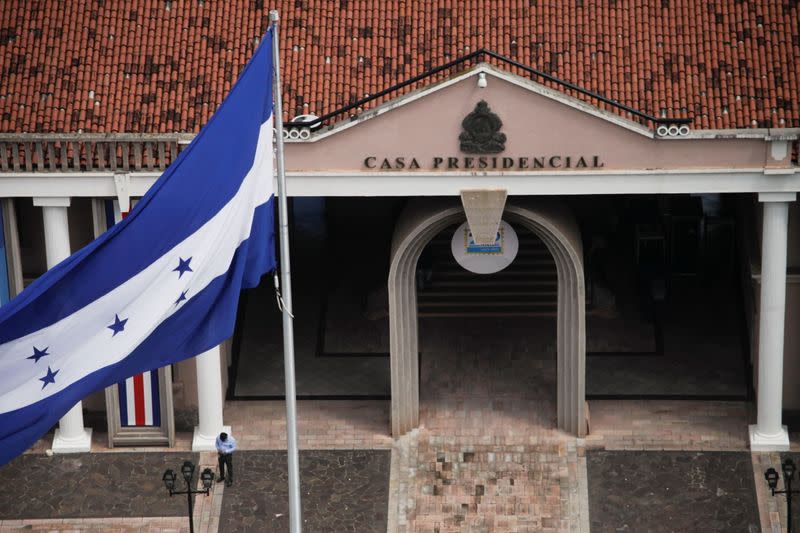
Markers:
(286, 289)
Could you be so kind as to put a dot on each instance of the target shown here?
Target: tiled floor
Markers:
(669, 425)
(321, 425)
(260, 364)
(702, 350)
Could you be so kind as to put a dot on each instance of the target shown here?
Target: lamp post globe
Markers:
(207, 478)
(771, 475)
(788, 468)
(187, 469)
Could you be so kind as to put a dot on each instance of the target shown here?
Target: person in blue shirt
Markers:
(226, 445)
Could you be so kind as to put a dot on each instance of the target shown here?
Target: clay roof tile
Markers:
(158, 70)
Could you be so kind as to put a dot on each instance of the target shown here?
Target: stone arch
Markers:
(551, 221)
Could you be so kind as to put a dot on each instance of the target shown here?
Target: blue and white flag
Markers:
(160, 286)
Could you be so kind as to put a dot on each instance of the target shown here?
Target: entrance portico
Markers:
(417, 225)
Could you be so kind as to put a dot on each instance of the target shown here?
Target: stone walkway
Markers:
(90, 486)
(671, 491)
(342, 491)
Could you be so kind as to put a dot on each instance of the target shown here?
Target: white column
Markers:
(768, 434)
(209, 401)
(71, 436)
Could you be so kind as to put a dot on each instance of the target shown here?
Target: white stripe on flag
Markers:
(148, 399)
(131, 401)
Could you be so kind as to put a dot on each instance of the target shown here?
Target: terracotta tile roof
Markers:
(164, 65)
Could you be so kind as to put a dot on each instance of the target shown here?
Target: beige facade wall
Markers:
(535, 125)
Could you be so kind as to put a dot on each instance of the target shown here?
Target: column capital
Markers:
(46, 201)
(777, 197)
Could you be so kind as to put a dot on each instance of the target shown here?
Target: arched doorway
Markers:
(552, 222)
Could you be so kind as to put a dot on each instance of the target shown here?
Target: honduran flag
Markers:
(160, 286)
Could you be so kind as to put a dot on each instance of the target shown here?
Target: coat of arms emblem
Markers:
(481, 133)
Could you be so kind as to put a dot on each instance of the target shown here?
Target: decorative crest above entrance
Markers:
(481, 133)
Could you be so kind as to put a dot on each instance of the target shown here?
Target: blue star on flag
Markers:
(49, 378)
(183, 266)
(181, 298)
(38, 354)
(118, 325)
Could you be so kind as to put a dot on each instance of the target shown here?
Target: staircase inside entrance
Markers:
(527, 287)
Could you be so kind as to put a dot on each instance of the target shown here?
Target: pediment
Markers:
(542, 129)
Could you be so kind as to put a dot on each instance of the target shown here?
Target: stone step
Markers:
(488, 304)
(482, 313)
(463, 283)
(520, 275)
(518, 264)
(493, 293)
(527, 287)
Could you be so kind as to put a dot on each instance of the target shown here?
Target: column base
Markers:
(205, 443)
(81, 444)
(769, 443)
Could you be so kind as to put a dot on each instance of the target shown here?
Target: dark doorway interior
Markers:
(340, 258)
(663, 269)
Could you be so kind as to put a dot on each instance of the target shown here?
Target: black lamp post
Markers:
(187, 470)
(771, 475)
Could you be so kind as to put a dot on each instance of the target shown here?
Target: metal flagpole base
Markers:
(769, 443)
(80, 444)
(206, 443)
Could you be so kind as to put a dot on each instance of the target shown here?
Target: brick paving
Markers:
(321, 425)
(669, 425)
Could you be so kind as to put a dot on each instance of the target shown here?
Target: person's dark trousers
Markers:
(226, 459)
